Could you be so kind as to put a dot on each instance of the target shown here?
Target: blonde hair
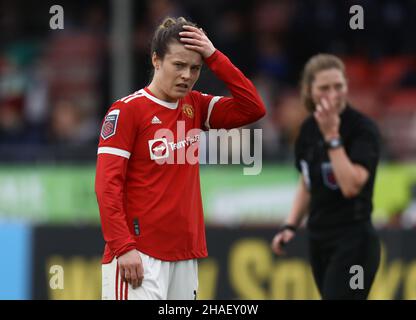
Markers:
(314, 65)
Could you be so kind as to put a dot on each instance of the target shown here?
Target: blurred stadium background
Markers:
(56, 85)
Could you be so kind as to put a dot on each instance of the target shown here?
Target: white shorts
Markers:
(163, 280)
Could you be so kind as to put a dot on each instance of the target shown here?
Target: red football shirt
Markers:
(147, 175)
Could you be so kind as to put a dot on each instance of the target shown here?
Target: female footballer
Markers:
(147, 179)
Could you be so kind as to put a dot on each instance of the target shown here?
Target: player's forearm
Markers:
(300, 205)
(350, 177)
(245, 96)
(109, 182)
(115, 230)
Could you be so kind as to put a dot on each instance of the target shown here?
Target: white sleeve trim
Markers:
(210, 106)
(115, 151)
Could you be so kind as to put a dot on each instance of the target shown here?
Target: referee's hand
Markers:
(131, 268)
(280, 240)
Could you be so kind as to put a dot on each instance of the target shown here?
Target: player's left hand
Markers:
(328, 119)
(196, 39)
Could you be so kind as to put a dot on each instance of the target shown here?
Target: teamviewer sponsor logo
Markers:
(193, 147)
(158, 149)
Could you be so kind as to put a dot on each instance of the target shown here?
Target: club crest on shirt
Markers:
(328, 176)
(188, 110)
(110, 124)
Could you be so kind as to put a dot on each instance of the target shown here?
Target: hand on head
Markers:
(196, 39)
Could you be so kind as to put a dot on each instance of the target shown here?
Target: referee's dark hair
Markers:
(314, 65)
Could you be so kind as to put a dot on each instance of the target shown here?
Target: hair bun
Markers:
(168, 22)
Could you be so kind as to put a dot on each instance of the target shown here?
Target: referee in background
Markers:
(337, 152)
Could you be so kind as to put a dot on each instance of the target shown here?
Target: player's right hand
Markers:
(131, 268)
(280, 240)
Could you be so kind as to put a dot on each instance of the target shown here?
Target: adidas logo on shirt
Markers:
(156, 120)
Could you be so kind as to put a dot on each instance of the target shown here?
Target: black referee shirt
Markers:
(328, 207)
